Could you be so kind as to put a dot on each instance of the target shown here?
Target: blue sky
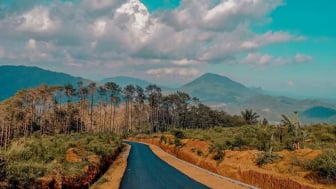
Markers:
(286, 46)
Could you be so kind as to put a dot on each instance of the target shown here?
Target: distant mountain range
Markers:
(15, 78)
(215, 90)
(124, 81)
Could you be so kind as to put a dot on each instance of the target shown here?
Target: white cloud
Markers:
(173, 71)
(124, 36)
(291, 83)
(31, 44)
(100, 4)
(301, 58)
(99, 27)
(37, 20)
(184, 62)
(37, 50)
(266, 59)
(267, 110)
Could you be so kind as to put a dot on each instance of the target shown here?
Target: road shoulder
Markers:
(194, 172)
(113, 176)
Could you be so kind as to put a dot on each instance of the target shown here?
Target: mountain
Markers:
(15, 78)
(216, 88)
(319, 112)
(124, 80)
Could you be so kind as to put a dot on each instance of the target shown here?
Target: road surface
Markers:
(145, 170)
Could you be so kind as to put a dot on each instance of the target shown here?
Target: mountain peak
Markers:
(217, 88)
(214, 76)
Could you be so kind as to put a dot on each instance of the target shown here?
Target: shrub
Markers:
(199, 152)
(178, 134)
(264, 158)
(178, 143)
(324, 165)
(218, 151)
(163, 139)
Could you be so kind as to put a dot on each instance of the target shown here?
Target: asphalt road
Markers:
(145, 170)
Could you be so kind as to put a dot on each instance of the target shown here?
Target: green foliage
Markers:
(199, 152)
(163, 139)
(178, 134)
(178, 143)
(265, 157)
(325, 165)
(28, 159)
(264, 137)
(217, 151)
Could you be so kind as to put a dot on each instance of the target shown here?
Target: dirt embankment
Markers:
(113, 176)
(96, 167)
(240, 165)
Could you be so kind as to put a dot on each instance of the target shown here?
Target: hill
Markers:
(124, 80)
(15, 78)
(216, 88)
(319, 112)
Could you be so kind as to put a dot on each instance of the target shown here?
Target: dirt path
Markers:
(203, 176)
(112, 178)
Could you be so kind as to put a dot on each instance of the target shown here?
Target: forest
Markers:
(66, 109)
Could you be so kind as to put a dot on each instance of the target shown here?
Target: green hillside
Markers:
(15, 78)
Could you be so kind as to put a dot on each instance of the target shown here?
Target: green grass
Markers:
(325, 166)
(28, 159)
(263, 137)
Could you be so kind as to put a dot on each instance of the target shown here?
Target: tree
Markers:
(102, 93)
(92, 92)
(250, 117)
(113, 90)
(154, 98)
(129, 92)
(294, 129)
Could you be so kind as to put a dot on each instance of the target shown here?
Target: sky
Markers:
(286, 46)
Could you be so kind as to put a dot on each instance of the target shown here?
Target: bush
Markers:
(178, 134)
(264, 158)
(163, 139)
(199, 152)
(324, 165)
(178, 143)
(218, 151)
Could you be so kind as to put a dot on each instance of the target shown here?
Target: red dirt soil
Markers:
(240, 165)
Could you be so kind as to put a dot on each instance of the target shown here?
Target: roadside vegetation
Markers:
(27, 160)
(268, 140)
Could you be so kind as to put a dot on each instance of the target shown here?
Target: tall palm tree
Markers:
(250, 117)
(293, 128)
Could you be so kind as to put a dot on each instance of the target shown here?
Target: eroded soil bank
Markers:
(97, 166)
(240, 165)
(112, 177)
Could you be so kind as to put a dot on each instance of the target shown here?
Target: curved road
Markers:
(145, 170)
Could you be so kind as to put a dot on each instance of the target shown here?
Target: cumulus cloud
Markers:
(37, 20)
(301, 58)
(258, 59)
(173, 71)
(122, 36)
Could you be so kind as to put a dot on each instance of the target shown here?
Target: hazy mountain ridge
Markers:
(15, 78)
(216, 90)
(124, 80)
